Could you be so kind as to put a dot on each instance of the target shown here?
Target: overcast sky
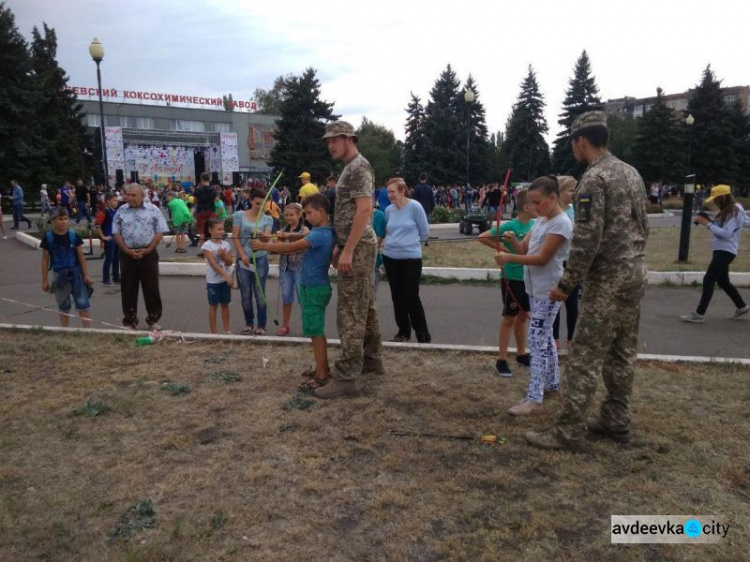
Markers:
(370, 55)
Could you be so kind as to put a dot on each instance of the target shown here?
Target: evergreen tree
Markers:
(739, 126)
(442, 131)
(299, 130)
(658, 149)
(19, 138)
(581, 96)
(414, 142)
(622, 135)
(713, 158)
(268, 102)
(378, 145)
(67, 146)
(524, 146)
(479, 147)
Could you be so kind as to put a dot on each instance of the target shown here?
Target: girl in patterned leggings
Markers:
(542, 251)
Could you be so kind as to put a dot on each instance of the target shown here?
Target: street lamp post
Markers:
(469, 99)
(96, 50)
(687, 202)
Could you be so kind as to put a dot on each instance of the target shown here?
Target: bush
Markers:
(652, 208)
(442, 214)
(674, 203)
(744, 201)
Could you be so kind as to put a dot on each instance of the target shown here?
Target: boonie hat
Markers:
(339, 129)
(305, 175)
(588, 119)
(718, 191)
(57, 212)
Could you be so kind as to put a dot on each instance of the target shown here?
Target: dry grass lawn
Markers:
(661, 252)
(234, 476)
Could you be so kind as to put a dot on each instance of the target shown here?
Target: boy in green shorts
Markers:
(512, 288)
(315, 287)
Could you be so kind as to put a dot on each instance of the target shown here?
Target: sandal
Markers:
(283, 331)
(260, 332)
(247, 331)
(308, 373)
(314, 383)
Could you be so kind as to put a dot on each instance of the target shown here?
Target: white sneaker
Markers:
(525, 407)
(740, 312)
(693, 317)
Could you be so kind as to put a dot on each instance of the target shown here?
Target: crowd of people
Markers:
(545, 262)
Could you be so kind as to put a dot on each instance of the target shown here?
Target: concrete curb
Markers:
(336, 343)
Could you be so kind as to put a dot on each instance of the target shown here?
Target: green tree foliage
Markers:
(20, 141)
(659, 149)
(581, 96)
(66, 144)
(713, 158)
(524, 146)
(414, 142)
(228, 102)
(269, 101)
(378, 145)
(443, 132)
(622, 134)
(299, 130)
(739, 126)
(480, 160)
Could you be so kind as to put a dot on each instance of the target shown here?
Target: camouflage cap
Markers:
(588, 119)
(339, 129)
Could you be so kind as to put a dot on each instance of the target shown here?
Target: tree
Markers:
(739, 126)
(442, 131)
(524, 146)
(67, 147)
(19, 137)
(622, 134)
(300, 129)
(268, 102)
(658, 148)
(378, 145)
(580, 97)
(228, 102)
(414, 142)
(479, 146)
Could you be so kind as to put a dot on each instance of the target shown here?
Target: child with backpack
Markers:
(542, 251)
(63, 254)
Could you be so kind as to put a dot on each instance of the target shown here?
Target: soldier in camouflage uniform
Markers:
(607, 255)
(354, 256)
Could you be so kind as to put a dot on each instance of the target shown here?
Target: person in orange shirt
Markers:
(273, 211)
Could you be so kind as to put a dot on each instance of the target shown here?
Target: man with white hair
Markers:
(138, 230)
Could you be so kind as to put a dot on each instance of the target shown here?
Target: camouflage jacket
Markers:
(611, 228)
(356, 180)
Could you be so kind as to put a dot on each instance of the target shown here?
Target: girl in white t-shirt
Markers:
(542, 251)
(219, 280)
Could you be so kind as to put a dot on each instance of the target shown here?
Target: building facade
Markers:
(637, 107)
(178, 143)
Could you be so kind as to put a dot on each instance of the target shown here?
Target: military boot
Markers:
(550, 439)
(597, 427)
(373, 367)
(336, 388)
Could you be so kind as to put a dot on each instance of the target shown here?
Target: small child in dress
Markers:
(219, 280)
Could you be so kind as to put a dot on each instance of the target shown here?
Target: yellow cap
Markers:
(305, 175)
(718, 191)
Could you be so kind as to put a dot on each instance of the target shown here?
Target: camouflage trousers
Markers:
(357, 316)
(605, 344)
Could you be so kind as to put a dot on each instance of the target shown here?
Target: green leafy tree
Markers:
(414, 142)
(622, 134)
(299, 130)
(658, 149)
(480, 161)
(66, 144)
(20, 140)
(268, 102)
(228, 102)
(524, 146)
(443, 132)
(378, 144)
(581, 96)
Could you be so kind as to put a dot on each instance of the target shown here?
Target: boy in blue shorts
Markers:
(315, 288)
(63, 254)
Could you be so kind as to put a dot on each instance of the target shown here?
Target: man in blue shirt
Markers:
(424, 195)
(17, 200)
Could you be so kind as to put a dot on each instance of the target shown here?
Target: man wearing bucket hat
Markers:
(726, 229)
(607, 255)
(354, 256)
(307, 188)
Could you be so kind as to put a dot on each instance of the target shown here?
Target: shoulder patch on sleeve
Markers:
(583, 207)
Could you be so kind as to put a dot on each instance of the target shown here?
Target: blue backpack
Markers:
(50, 240)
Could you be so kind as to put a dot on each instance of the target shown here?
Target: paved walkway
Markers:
(456, 314)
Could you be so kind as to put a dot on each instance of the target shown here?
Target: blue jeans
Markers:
(468, 201)
(83, 210)
(45, 207)
(290, 282)
(111, 259)
(18, 216)
(249, 289)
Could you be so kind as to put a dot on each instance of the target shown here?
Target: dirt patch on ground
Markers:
(224, 472)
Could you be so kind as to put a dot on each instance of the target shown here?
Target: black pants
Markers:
(140, 273)
(718, 272)
(571, 314)
(403, 277)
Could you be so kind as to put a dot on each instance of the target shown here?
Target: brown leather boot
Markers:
(336, 388)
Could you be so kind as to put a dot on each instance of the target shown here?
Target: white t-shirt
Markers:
(540, 280)
(214, 247)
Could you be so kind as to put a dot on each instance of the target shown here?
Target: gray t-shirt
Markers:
(540, 280)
